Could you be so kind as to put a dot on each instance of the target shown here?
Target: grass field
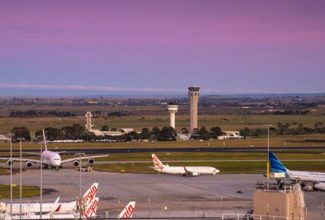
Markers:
(28, 191)
(224, 167)
(275, 141)
(226, 122)
(4, 171)
(303, 161)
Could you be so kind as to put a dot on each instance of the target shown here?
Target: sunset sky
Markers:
(76, 47)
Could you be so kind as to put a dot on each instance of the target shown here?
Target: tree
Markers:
(156, 131)
(167, 134)
(132, 136)
(184, 131)
(76, 131)
(145, 133)
(20, 132)
(245, 132)
(204, 134)
(215, 132)
(105, 128)
(51, 134)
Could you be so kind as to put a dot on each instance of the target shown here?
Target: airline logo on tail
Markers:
(157, 163)
(91, 210)
(127, 212)
(90, 194)
(89, 202)
(276, 165)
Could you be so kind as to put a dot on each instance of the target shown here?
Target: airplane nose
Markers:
(56, 163)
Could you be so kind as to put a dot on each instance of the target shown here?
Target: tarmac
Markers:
(158, 195)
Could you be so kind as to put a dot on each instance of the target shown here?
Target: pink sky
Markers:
(226, 46)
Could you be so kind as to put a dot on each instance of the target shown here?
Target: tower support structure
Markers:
(172, 108)
(193, 94)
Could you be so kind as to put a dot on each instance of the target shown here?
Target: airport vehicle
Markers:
(184, 170)
(127, 212)
(52, 159)
(55, 208)
(309, 180)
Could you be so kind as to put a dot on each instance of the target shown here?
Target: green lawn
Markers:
(226, 122)
(224, 167)
(197, 159)
(28, 191)
(275, 141)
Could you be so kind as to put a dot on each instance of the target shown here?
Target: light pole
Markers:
(20, 176)
(41, 182)
(268, 156)
(10, 174)
(80, 186)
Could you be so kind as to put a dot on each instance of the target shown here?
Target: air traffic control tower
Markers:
(172, 108)
(193, 94)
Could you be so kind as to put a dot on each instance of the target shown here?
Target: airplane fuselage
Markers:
(307, 176)
(51, 158)
(59, 208)
(190, 169)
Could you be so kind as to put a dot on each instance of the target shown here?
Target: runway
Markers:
(159, 195)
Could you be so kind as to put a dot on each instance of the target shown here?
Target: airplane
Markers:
(52, 159)
(55, 208)
(127, 212)
(309, 180)
(184, 170)
(89, 212)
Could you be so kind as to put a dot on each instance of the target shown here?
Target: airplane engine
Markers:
(91, 160)
(76, 163)
(29, 164)
(10, 162)
(320, 186)
(195, 173)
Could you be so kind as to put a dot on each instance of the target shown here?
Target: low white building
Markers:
(230, 135)
(119, 132)
(4, 138)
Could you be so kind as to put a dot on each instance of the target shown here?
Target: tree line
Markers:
(78, 132)
(292, 128)
(36, 114)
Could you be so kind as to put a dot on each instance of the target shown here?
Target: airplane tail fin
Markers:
(89, 202)
(127, 212)
(44, 140)
(90, 210)
(90, 194)
(276, 164)
(57, 200)
(157, 164)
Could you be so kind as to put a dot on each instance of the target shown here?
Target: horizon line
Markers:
(143, 90)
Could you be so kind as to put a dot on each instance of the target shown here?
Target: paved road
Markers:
(160, 195)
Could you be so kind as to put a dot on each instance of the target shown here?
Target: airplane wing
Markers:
(190, 173)
(22, 159)
(82, 158)
(32, 153)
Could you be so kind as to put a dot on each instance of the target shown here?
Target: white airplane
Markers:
(184, 170)
(89, 212)
(309, 180)
(127, 212)
(55, 208)
(52, 159)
